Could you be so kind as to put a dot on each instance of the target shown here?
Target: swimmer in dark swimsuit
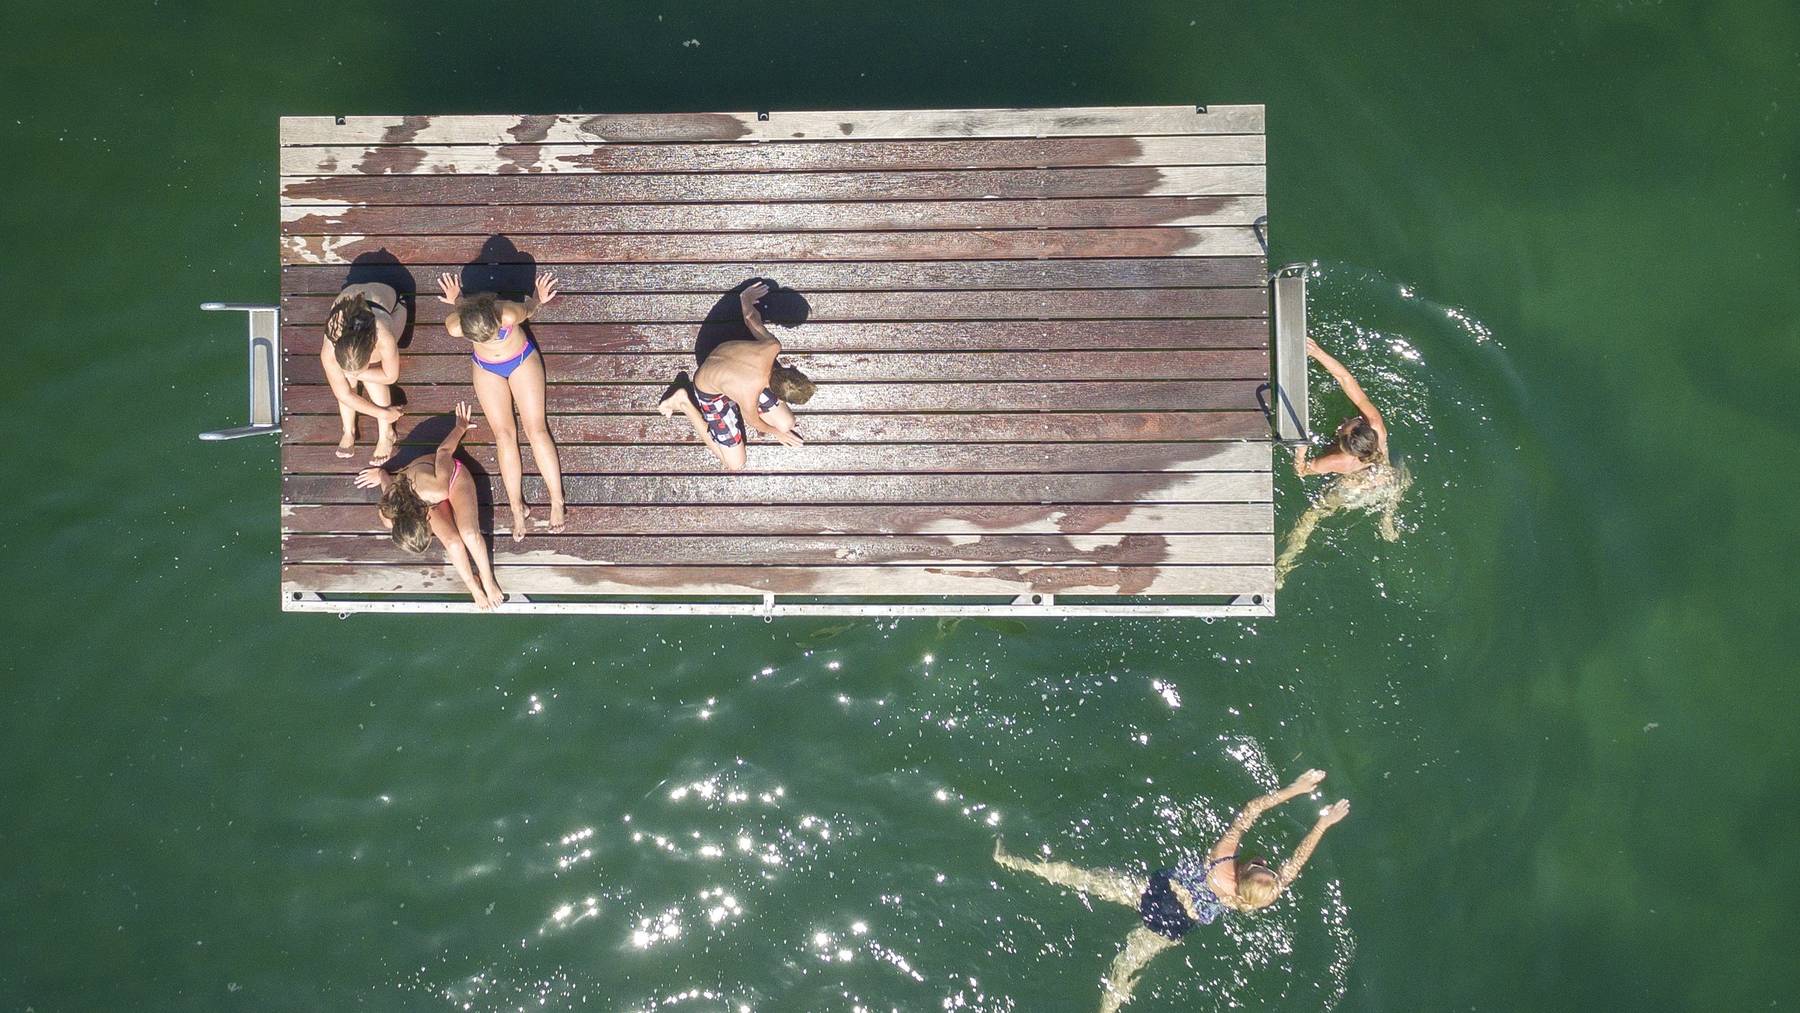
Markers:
(1172, 901)
(434, 497)
(740, 382)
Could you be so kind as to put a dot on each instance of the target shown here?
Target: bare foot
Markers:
(384, 449)
(494, 593)
(346, 447)
(521, 522)
(559, 518)
(673, 395)
(481, 601)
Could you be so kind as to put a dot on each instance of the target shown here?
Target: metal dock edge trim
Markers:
(1247, 605)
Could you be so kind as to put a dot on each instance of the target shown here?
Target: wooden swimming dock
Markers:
(1038, 336)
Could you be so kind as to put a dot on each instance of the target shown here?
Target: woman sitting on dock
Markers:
(508, 370)
(751, 388)
(1173, 901)
(1366, 480)
(362, 348)
(435, 497)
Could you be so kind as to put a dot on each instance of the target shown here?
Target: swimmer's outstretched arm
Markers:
(1228, 844)
(1290, 869)
(1352, 390)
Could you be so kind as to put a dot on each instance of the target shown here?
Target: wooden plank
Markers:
(812, 550)
(906, 336)
(1292, 412)
(986, 579)
(581, 219)
(813, 519)
(1240, 151)
(848, 459)
(1059, 304)
(779, 126)
(1109, 395)
(995, 244)
(824, 429)
(879, 275)
(1049, 490)
(869, 183)
(856, 367)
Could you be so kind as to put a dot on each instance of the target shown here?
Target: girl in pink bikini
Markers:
(434, 497)
(509, 371)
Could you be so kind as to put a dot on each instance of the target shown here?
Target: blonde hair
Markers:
(480, 321)
(791, 385)
(401, 504)
(1254, 890)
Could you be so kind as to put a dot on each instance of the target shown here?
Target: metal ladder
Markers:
(264, 326)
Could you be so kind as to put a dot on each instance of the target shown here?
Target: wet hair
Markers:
(480, 320)
(791, 385)
(411, 518)
(351, 331)
(1257, 885)
(1361, 441)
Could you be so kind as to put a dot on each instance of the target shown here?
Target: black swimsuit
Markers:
(1161, 909)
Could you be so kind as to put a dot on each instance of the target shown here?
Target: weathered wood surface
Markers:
(939, 519)
(825, 429)
(1237, 156)
(1120, 395)
(297, 192)
(731, 579)
(778, 126)
(595, 219)
(851, 459)
(1004, 244)
(1037, 336)
(1043, 489)
(1069, 304)
(864, 367)
(885, 276)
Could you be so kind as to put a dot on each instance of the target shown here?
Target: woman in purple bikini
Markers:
(1172, 902)
(509, 373)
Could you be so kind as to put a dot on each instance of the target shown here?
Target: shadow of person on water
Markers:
(782, 307)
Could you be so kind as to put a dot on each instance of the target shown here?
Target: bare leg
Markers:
(382, 395)
(528, 393)
(456, 552)
(1296, 539)
(781, 419)
(495, 395)
(346, 447)
(465, 512)
(1141, 945)
(677, 400)
(1106, 884)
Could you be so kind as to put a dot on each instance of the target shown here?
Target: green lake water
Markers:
(1561, 242)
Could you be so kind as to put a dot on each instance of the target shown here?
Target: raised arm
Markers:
(1353, 390)
(753, 316)
(1228, 844)
(1290, 869)
(513, 314)
(445, 462)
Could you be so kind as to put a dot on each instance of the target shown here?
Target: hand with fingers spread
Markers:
(450, 288)
(1335, 812)
(1307, 782)
(789, 438)
(546, 288)
(371, 478)
(465, 416)
(748, 297)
